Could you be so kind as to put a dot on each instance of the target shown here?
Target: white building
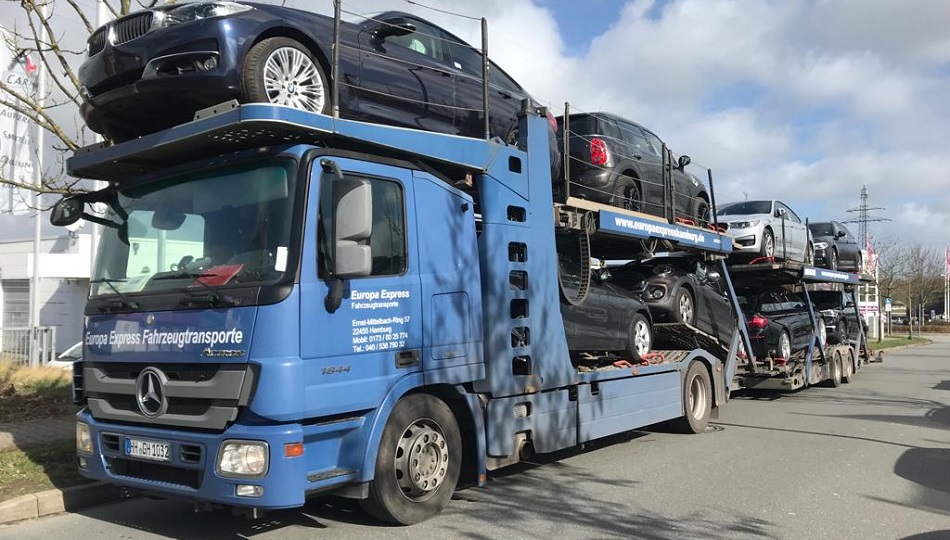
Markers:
(64, 264)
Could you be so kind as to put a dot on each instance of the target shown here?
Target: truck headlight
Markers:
(242, 459)
(83, 438)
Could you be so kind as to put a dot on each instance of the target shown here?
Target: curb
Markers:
(56, 501)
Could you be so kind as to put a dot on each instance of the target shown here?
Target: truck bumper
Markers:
(190, 471)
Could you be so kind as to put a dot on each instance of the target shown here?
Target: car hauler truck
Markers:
(286, 304)
(820, 362)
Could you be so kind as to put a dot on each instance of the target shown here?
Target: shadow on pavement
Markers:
(516, 500)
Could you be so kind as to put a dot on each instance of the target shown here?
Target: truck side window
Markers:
(388, 236)
(388, 239)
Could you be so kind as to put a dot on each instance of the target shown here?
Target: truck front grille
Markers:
(199, 396)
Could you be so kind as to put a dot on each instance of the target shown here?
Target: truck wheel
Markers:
(697, 400)
(626, 195)
(835, 380)
(847, 373)
(418, 463)
(283, 71)
(639, 338)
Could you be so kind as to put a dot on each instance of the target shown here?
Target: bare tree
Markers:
(43, 35)
(921, 281)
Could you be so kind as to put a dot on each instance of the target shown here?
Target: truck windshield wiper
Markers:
(213, 298)
(123, 302)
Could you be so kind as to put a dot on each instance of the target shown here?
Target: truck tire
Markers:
(418, 463)
(847, 373)
(835, 380)
(697, 400)
(639, 337)
(283, 71)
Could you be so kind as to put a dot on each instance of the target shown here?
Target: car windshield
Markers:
(821, 229)
(229, 227)
(745, 207)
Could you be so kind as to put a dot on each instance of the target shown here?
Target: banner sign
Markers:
(19, 74)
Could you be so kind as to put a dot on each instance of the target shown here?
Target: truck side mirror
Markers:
(66, 211)
(353, 217)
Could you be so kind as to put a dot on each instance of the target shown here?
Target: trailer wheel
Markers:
(847, 373)
(283, 71)
(640, 337)
(418, 463)
(697, 400)
(835, 380)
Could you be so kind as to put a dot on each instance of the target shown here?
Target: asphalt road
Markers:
(868, 460)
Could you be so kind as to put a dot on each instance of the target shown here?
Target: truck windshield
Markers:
(228, 227)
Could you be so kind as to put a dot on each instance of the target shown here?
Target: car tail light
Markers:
(758, 322)
(598, 152)
(553, 121)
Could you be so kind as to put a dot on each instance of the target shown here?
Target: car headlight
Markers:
(743, 224)
(83, 438)
(201, 10)
(242, 459)
(821, 245)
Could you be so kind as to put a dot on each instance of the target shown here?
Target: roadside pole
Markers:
(36, 201)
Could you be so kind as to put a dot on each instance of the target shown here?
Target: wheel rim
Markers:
(769, 245)
(292, 79)
(833, 264)
(631, 198)
(421, 459)
(702, 214)
(641, 337)
(686, 308)
(697, 397)
(822, 333)
(784, 347)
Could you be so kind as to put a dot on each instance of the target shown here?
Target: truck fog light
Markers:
(247, 490)
(242, 459)
(83, 438)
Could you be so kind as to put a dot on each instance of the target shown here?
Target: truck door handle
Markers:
(407, 358)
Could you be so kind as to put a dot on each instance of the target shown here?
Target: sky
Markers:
(803, 101)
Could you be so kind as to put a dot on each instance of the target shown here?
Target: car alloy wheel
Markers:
(784, 345)
(684, 306)
(768, 244)
(284, 72)
(833, 260)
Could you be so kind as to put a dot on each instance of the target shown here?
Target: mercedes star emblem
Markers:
(150, 392)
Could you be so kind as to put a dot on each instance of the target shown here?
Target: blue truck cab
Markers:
(287, 304)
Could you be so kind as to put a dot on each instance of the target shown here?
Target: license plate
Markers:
(154, 450)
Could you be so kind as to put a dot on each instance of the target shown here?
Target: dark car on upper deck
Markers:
(619, 162)
(153, 69)
(835, 246)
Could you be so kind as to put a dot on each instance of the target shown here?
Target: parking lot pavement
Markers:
(868, 460)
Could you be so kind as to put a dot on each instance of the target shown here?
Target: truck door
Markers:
(353, 355)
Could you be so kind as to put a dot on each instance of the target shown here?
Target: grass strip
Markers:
(38, 469)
